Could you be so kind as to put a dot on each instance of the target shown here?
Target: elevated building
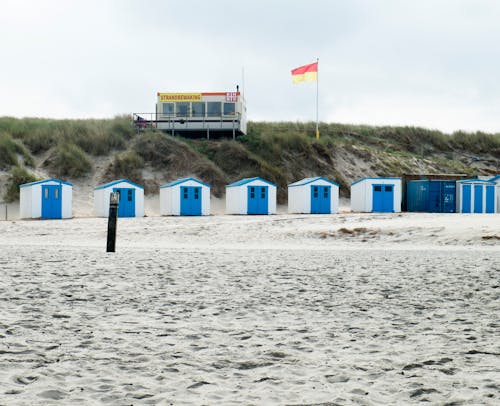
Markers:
(205, 114)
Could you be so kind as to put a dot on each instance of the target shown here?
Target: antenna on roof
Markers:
(242, 80)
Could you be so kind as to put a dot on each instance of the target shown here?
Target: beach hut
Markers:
(431, 196)
(46, 199)
(251, 196)
(376, 195)
(313, 195)
(185, 197)
(496, 179)
(131, 203)
(476, 196)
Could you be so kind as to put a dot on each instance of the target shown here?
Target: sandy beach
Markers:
(366, 309)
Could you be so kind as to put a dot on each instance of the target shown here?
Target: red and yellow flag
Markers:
(306, 73)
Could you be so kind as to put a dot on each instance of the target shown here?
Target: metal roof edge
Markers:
(244, 181)
(311, 180)
(369, 178)
(63, 182)
(115, 182)
(179, 181)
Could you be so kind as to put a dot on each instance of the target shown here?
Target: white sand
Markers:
(365, 309)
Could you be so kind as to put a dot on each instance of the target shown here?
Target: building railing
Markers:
(151, 120)
(182, 123)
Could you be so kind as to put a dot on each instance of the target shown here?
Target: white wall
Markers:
(26, 202)
(497, 191)
(334, 207)
(298, 200)
(67, 201)
(236, 200)
(166, 201)
(362, 198)
(102, 197)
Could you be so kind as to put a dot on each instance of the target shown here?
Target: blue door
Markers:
(51, 202)
(478, 198)
(466, 198)
(320, 199)
(190, 201)
(448, 193)
(126, 203)
(434, 198)
(490, 199)
(257, 199)
(383, 198)
(417, 195)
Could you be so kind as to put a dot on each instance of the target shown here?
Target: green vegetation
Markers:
(95, 137)
(10, 149)
(281, 152)
(17, 176)
(68, 160)
(127, 165)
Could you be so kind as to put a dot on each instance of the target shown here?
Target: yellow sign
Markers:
(179, 97)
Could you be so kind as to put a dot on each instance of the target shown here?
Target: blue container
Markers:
(431, 196)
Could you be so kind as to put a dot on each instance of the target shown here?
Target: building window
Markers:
(168, 109)
(229, 109)
(198, 109)
(182, 109)
(214, 109)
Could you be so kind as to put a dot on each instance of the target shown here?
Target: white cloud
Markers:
(428, 63)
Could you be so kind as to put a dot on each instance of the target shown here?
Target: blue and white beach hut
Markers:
(313, 195)
(46, 199)
(131, 203)
(476, 196)
(185, 197)
(376, 195)
(496, 179)
(251, 196)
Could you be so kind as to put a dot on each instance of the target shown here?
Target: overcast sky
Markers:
(431, 63)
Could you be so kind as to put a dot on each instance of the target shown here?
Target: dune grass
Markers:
(17, 176)
(281, 152)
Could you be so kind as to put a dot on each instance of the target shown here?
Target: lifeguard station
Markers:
(196, 115)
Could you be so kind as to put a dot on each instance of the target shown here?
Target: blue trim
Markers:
(495, 178)
(106, 185)
(62, 182)
(307, 181)
(248, 180)
(179, 181)
(362, 179)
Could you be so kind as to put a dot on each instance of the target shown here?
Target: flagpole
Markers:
(317, 98)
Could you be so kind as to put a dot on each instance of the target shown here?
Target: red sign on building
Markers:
(232, 96)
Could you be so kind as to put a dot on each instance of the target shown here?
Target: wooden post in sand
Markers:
(113, 214)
